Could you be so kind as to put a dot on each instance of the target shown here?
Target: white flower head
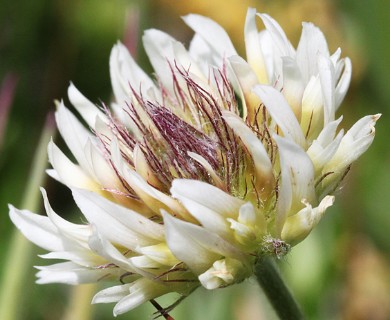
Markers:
(190, 179)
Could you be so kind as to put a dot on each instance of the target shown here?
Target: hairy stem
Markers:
(276, 291)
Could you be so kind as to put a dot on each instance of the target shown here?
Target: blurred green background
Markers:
(340, 272)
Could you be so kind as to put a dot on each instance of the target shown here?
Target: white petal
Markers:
(83, 257)
(38, 229)
(198, 191)
(74, 134)
(105, 249)
(327, 79)
(312, 119)
(255, 148)
(101, 169)
(254, 53)
(311, 44)
(324, 147)
(112, 294)
(284, 47)
(293, 86)
(212, 33)
(209, 219)
(153, 198)
(67, 172)
(246, 78)
(160, 253)
(74, 231)
(223, 272)
(298, 226)
(297, 180)
(206, 165)
(320, 154)
(145, 262)
(188, 241)
(343, 84)
(202, 53)
(71, 273)
(125, 72)
(281, 113)
(86, 108)
(141, 291)
(159, 48)
(118, 224)
(355, 142)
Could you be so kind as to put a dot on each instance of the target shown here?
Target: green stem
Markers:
(19, 251)
(276, 291)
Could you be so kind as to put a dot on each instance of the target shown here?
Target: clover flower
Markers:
(190, 179)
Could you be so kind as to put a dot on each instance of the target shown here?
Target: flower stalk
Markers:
(20, 249)
(276, 290)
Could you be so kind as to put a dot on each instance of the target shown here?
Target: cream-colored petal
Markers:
(297, 227)
(212, 33)
(67, 172)
(125, 73)
(187, 241)
(199, 192)
(311, 44)
(255, 147)
(281, 113)
(297, 174)
(254, 53)
(327, 78)
(86, 108)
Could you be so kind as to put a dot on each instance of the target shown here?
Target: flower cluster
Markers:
(189, 179)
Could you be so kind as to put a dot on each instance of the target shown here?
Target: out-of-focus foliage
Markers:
(340, 271)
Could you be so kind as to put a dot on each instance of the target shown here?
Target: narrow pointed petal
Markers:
(254, 53)
(246, 78)
(281, 113)
(212, 33)
(355, 142)
(67, 172)
(101, 246)
(206, 165)
(187, 241)
(125, 72)
(141, 291)
(311, 44)
(118, 224)
(112, 294)
(74, 134)
(38, 229)
(297, 173)
(153, 198)
(293, 86)
(209, 219)
(278, 36)
(72, 273)
(202, 53)
(198, 191)
(254, 146)
(86, 108)
(298, 226)
(156, 43)
(312, 118)
(327, 79)
(343, 84)
(160, 253)
(77, 232)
